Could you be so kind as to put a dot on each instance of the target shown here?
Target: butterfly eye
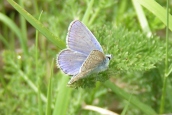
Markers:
(109, 57)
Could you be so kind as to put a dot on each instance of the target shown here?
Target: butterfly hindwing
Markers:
(81, 39)
(70, 61)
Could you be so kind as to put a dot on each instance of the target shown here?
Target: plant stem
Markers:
(23, 28)
(94, 16)
(166, 65)
(87, 13)
(38, 77)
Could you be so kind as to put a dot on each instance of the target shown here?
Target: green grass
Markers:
(137, 81)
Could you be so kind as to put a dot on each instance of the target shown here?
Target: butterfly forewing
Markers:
(81, 39)
(70, 61)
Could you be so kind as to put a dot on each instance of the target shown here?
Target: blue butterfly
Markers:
(83, 55)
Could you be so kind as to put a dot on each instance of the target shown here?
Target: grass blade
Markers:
(164, 88)
(34, 22)
(48, 109)
(142, 18)
(6, 20)
(157, 10)
(40, 105)
(63, 96)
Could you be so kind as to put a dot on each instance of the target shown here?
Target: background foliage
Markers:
(31, 84)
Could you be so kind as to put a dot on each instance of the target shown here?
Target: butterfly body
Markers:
(84, 54)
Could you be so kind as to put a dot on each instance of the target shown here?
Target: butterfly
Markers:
(83, 55)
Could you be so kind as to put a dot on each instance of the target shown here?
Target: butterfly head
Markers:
(108, 57)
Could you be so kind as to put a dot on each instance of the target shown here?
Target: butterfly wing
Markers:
(81, 39)
(70, 61)
(94, 59)
(91, 63)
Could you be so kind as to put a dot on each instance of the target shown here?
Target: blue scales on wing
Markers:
(81, 39)
(70, 61)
